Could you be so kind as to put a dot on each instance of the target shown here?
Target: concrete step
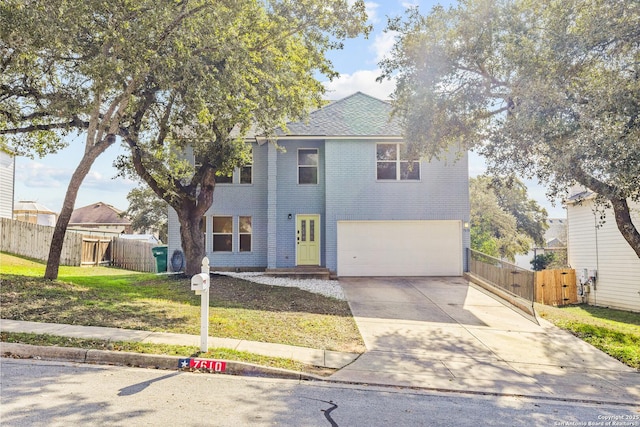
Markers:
(300, 272)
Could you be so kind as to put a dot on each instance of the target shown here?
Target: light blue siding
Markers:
(347, 189)
(294, 198)
(353, 193)
(237, 200)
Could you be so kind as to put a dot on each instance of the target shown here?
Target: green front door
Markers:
(308, 239)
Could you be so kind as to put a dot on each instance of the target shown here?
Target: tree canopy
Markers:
(148, 212)
(546, 89)
(512, 197)
(169, 77)
(498, 226)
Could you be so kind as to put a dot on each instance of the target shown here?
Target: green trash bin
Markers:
(160, 254)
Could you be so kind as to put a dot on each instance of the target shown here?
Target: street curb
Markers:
(155, 361)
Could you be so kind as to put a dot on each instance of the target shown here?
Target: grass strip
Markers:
(161, 349)
(615, 332)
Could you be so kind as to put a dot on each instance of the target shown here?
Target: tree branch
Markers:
(620, 206)
(75, 122)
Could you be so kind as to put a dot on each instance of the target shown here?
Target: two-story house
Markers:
(338, 192)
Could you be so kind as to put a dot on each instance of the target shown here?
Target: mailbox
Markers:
(200, 282)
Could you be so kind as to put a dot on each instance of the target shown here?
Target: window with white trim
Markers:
(244, 233)
(308, 166)
(392, 164)
(222, 234)
(244, 174)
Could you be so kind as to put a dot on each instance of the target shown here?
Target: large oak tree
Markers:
(504, 221)
(543, 88)
(168, 77)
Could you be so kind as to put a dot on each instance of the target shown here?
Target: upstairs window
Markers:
(392, 164)
(242, 175)
(246, 172)
(308, 166)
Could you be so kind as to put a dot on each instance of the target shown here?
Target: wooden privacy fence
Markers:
(133, 255)
(504, 275)
(95, 250)
(34, 241)
(556, 287)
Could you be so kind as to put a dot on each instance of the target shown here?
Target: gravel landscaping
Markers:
(329, 288)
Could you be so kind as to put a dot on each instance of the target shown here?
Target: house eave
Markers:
(379, 138)
(579, 197)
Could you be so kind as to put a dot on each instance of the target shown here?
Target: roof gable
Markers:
(356, 115)
(31, 206)
(98, 213)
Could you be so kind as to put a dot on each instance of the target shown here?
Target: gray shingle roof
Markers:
(356, 115)
(98, 213)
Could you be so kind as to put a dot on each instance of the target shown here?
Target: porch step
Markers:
(300, 273)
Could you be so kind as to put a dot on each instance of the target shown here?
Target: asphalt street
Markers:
(41, 393)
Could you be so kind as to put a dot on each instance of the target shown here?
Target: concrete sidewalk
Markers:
(309, 356)
(432, 333)
(445, 334)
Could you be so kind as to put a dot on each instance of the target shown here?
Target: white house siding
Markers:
(604, 248)
(7, 169)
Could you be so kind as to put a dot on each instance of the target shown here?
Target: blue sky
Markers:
(45, 180)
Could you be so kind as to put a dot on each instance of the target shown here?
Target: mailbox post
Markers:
(200, 284)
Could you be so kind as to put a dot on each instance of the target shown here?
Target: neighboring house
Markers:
(7, 183)
(598, 249)
(34, 213)
(340, 194)
(100, 217)
(556, 234)
(555, 238)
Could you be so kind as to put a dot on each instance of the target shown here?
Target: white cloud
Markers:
(46, 183)
(383, 43)
(99, 181)
(34, 174)
(371, 8)
(363, 81)
(372, 12)
(38, 175)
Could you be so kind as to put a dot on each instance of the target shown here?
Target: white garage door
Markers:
(399, 248)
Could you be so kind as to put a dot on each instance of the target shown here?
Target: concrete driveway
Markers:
(445, 334)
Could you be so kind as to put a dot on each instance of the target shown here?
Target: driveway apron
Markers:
(445, 334)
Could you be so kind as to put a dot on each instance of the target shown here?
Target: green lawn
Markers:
(615, 332)
(102, 296)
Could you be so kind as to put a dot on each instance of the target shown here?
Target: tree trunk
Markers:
(55, 250)
(620, 208)
(192, 240)
(625, 224)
